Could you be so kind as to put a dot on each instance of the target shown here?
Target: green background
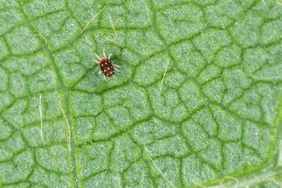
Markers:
(196, 103)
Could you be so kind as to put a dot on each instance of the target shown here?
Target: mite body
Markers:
(107, 67)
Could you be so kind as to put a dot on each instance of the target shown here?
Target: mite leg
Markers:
(110, 55)
(115, 65)
(104, 52)
(98, 58)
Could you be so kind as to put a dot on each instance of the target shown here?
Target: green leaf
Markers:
(197, 101)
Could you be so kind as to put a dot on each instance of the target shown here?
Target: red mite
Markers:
(106, 65)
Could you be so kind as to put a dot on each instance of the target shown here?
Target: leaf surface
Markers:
(197, 100)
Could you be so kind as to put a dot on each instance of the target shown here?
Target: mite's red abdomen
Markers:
(107, 67)
(104, 60)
